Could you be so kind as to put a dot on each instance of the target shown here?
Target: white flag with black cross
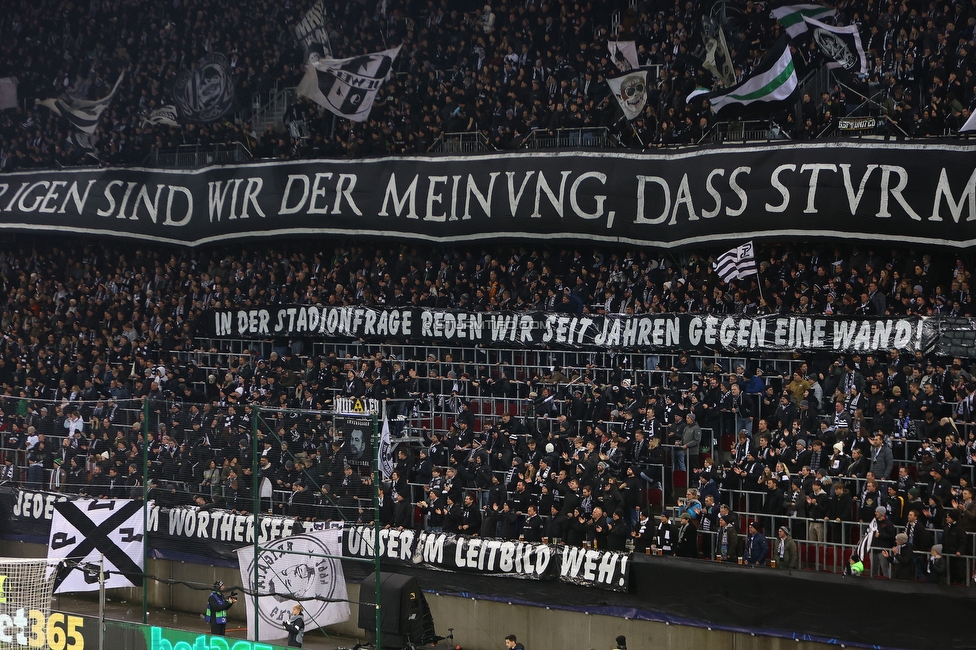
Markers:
(89, 534)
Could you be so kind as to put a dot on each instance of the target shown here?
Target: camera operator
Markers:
(217, 606)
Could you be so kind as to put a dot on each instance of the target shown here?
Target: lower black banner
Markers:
(589, 567)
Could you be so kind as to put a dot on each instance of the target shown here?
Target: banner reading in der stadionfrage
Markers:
(726, 332)
(901, 194)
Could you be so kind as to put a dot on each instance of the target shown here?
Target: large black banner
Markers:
(219, 533)
(917, 193)
(208, 532)
(727, 332)
(589, 567)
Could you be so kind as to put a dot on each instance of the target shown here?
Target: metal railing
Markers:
(462, 142)
(586, 138)
(744, 131)
(839, 539)
(200, 155)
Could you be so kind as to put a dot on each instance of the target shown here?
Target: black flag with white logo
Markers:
(840, 45)
(205, 93)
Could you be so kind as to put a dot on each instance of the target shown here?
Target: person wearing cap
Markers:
(643, 533)
(687, 537)
(935, 565)
(756, 547)
(901, 558)
(855, 567)
(217, 607)
(784, 550)
(798, 386)
(798, 457)
(666, 535)
(895, 505)
(727, 547)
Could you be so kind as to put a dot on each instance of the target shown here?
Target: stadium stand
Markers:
(90, 332)
(506, 71)
(548, 444)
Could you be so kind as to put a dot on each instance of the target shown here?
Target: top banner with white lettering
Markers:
(898, 193)
(728, 332)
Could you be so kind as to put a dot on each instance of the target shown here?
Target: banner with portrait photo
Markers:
(357, 439)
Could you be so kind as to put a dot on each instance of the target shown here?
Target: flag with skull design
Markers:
(631, 92)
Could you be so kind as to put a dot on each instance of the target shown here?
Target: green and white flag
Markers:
(791, 17)
(774, 80)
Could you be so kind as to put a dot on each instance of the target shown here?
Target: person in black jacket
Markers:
(667, 535)
(817, 511)
(533, 527)
(402, 512)
(617, 535)
(597, 528)
(839, 508)
(901, 557)
(774, 503)
(687, 544)
(954, 546)
(935, 567)
(295, 626)
(470, 517)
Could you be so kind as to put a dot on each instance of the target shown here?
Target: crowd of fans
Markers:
(113, 305)
(90, 331)
(502, 68)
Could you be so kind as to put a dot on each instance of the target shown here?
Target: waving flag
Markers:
(841, 44)
(774, 80)
(623, 54)
(82, 113)
(738, 263)
(791, 17)
(347, 87)
(631, 92)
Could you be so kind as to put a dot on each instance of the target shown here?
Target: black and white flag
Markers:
(312, 31)
(86, 531)
(83, 114)
(738, 263)
(717, 59)
(624, 55)
(842, 45)
(347, 87)
(300, 569)
(82, 141)
(631, 92)
(205, 93)
(386, 448)
(166, 115)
